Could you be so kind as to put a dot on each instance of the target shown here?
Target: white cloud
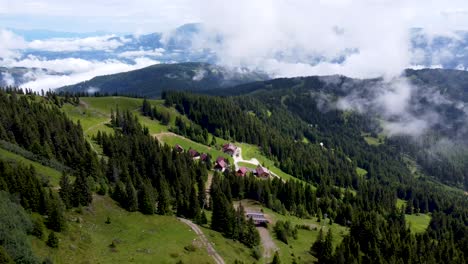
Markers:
(78, 70)
(10, 44)
(8, 79)
(141, 53)
(107, 43)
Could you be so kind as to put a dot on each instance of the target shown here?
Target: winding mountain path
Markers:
(209, 247)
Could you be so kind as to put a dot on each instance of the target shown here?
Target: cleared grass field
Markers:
(298, 248)
(247, 165)
(186, 143)
(49, 173)
(400, 203)
(250, 151)
(361, 172)
(137, 238)
(229, 249)
(418, 223)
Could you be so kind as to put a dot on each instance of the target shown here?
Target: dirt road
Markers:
(209, 247)
(269, 246)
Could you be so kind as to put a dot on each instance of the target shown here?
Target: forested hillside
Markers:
(302, 126)
(152, 80)
(349, 197)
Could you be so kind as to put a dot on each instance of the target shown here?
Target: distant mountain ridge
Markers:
(152, 80)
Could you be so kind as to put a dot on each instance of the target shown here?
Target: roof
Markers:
(219, 159)
(193, 153)
(258, 217)
(242, 170)
(178, 147)
(229, 147)
(203, 156)
(221, 163)
(261, 170)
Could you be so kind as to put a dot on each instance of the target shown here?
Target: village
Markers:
(222, 165)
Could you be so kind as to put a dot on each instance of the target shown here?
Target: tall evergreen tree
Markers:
(66, 190)
(82, 195)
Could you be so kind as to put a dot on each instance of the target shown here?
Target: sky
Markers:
(280, 37)
(161, 15)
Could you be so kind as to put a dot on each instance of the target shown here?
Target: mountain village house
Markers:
(220, 164)
(262, 172)
(194, 154)
(242, 171)
(230, 149)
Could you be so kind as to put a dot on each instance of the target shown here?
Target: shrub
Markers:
(52, 240)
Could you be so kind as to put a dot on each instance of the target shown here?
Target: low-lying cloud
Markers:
(77, 70)
(105, 43)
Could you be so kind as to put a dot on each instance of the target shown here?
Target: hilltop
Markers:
(152, 80)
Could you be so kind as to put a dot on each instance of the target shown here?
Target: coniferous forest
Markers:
(142, 174)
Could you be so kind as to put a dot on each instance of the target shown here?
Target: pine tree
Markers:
(146, 200)
(38, 228)
(194, 207)
(164, 203)
(82, 195)
(55, 211)
(132, 197)
(66, 190)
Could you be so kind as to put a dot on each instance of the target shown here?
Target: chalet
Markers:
(178, 148)
(229, 149)
(220, 164)
(203, 157)
(242, 171)
(262, 172)
(257, 217)
(194, 154)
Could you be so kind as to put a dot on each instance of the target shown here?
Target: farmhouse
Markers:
(178, 148)
(203, 157)
(229, 149)
(242, 171)
(194, 154)
(262, 172)
(257, 217)
(220, 164)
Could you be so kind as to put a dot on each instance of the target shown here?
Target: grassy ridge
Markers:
(186, 143)
(52, 175)
(298, 248)
(137, 238)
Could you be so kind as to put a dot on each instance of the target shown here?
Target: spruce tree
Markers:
(66, 190)
(55, 212)
(132, 197)
(146, 200)
(82, 195)
(164, 203)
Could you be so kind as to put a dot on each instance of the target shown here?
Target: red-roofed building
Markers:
(229, 149)
(242, 171)
(262, 172)
(220, 164)
(203, 157)
(194, 154)
(178, 148)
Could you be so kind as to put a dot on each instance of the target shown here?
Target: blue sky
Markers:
(161, 15)
(104, 15)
